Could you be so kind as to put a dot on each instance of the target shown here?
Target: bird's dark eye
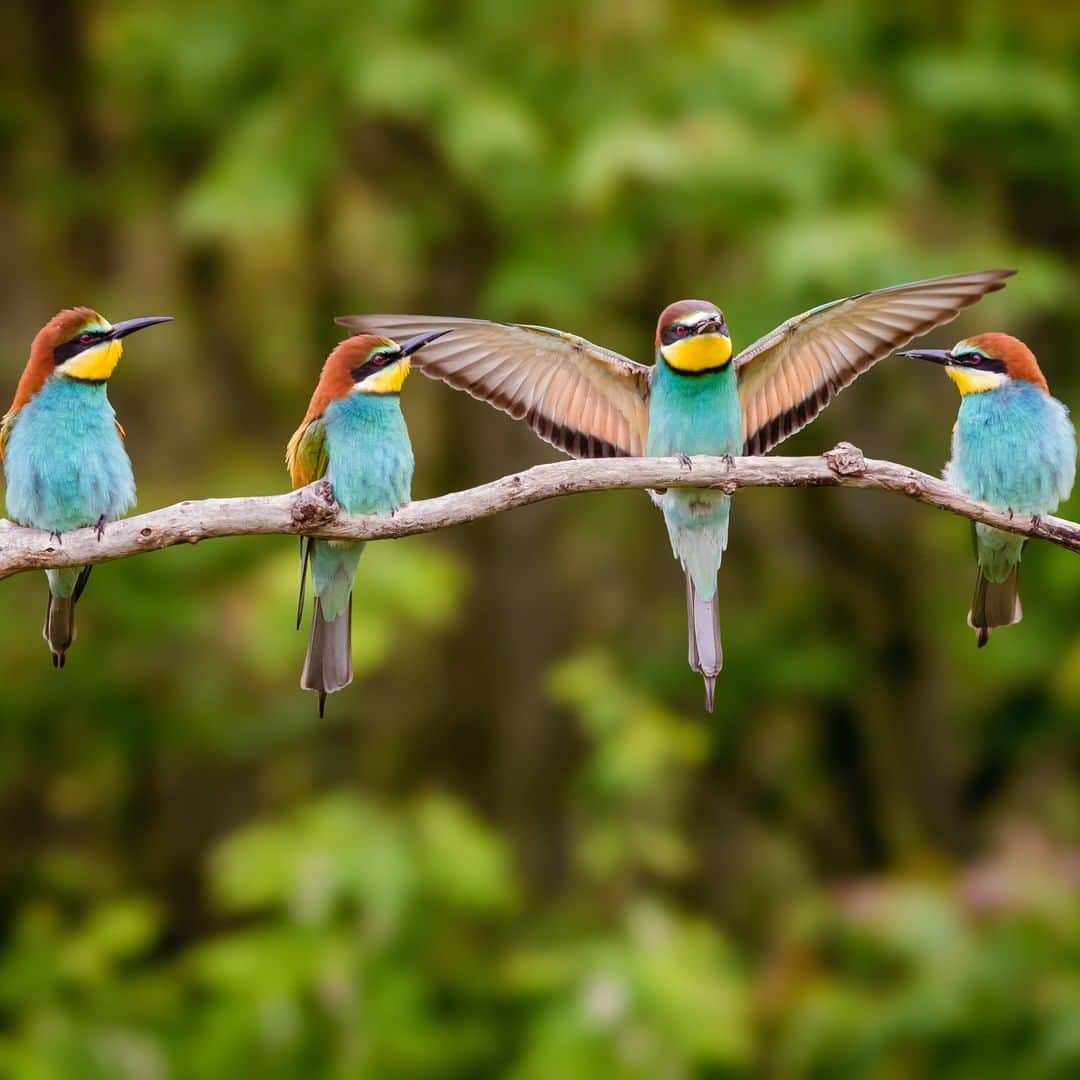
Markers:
(379, 360)
(682, 331)
(85, 338)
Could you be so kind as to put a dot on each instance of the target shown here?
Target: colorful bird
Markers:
(63, 448)
(1013, 447)
(696, 399)
(354, 435)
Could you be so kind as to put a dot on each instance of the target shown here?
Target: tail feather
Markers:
(995, 603)
(59, 628)
(328, 664)
(80, 583)
(305, 557)
(703, 625)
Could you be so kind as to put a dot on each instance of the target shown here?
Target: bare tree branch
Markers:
(312, 510)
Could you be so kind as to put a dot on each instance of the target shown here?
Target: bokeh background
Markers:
(516, 846)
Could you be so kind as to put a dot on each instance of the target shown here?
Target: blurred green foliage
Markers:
(515, 847)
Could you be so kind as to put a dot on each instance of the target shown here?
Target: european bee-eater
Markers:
(63, 448)
(1013, 447)
(695, 399)
(354, 435)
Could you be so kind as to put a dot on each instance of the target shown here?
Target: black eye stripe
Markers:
(681, 331)
(980, 361)
(374, 363)
(76, 345)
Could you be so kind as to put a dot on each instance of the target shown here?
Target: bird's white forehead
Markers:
(964, 346)
(98, 323)
(695, 317)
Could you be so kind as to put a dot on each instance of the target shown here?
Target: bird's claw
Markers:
(728, 460)
(685, 462)
(54, 535)
(99, 528)
(1036, 520)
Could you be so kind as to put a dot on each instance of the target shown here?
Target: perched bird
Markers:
(63, 448)
(1013, 447)
(696, 399)
(354, 435)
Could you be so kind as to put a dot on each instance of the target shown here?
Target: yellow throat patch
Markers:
(389, 381)
(698, 353)
(94, 364)
(970, 381)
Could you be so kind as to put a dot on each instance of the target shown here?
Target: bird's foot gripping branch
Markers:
(312, 510)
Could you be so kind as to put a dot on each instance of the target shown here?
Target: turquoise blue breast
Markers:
(694, 414)
(371, 468)
(65, 464)
(1014, 447)
(371, 458)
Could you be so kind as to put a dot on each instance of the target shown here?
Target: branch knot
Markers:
(844, 459)
(315, 505)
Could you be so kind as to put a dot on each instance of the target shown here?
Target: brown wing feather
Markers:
(581, 398)
(787, 377)
(6, 426)
(306, 455)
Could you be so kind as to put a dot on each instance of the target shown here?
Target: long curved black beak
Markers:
(934, 356)
(129, 326)
(414, 344)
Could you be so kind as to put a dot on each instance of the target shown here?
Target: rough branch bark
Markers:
(312, 510)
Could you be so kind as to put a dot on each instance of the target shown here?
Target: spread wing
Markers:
(306, 455)
(581, 398)
(787, 377)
